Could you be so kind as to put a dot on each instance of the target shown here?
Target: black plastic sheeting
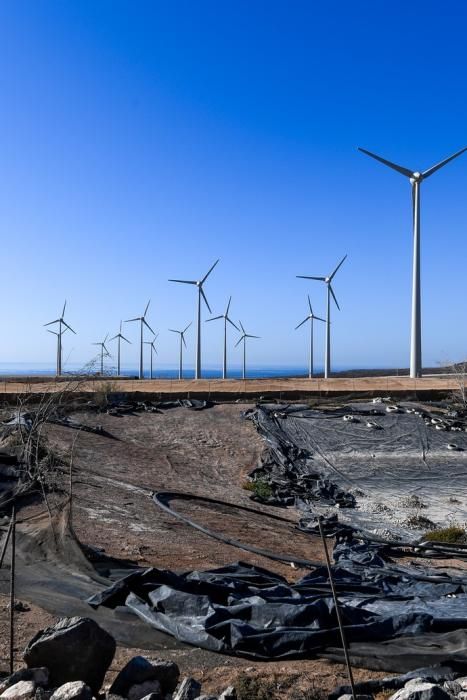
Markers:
(397, 617)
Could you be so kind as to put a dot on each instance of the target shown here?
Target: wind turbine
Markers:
(327, 280)
(120, 338)
(311, 317)
(61, 322)
(142, 320)
(199, 284)
(415, 179)
(153, 348)
(244, 337)
(182, 343)
(226, 318)
(104, 352)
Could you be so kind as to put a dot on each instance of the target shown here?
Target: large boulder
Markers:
(23, 690)
(140, 690)
(74, 690)
(74, 649)
(139, 670)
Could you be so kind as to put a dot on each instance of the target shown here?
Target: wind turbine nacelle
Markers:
(416, 177)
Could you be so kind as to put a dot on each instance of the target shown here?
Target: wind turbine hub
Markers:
(327, 280)
(416, 177)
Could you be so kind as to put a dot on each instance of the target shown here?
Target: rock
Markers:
(189, 689)
(22, 690)
(156, 696)
(228, 694)
(207, 697)
(418, 689)
(75, 690)
(40, 676)
(462, 682)
(140, 669)
(140, 690)
(74, 649)
(349, 696)
(452, 687)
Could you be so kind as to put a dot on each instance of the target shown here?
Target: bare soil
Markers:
(206, 453)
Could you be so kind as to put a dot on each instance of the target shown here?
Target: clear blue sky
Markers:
(142, 140)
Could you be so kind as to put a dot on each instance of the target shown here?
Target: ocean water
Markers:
(234, 372)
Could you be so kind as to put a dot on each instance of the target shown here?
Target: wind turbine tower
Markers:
(62, 327)
(182, 343)
(104, 352)
(226, 318)
(416, 178)
(199, 284)
(119, 338)
(244, 337)
(311, 317)
(153, 349)
(143, 322)
(330, 292)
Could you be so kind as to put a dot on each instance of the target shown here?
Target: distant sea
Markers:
(37, 369)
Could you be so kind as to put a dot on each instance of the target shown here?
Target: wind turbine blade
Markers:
(138, 318)
(232, 323)
(251, 336)
(241, 326)
(239, 341)
(50, 323)
(53, 332)
(436, 167)
(173, 331)
(301, 324)
(183, 338)
(69, 327)
(96, 343)
(147, 307)
(184, 281)
(228, 307)
(64, 307)
(332, 275)
(105, 349)
(187, 327)
(334, 297)
(307, 277)
(394, 166)
(147, 324)
(309, 304)
(120, 327)
(125, 339)
(209, 272)
(214, 318)
(115, 336)
(205, 300)
(318, 318)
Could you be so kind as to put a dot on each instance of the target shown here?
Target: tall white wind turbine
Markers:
(310, 317)
(62, 327)
(330, 292)
(415, 178)
(244, 336)
(182, 343)
(119, 338)
(199, 284)
(226, 318)
(153, 349)
(104, 352)
(143, 322)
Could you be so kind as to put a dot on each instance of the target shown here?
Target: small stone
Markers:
(189, 689)
(40, 676)
(140, 690)
(23, 690)
(228, 694)
(349, 696)
(140, 669)
(417, 689)
(74, 690)
(452, 687)
(156, 696)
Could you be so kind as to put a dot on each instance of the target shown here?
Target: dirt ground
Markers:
(206, 453)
